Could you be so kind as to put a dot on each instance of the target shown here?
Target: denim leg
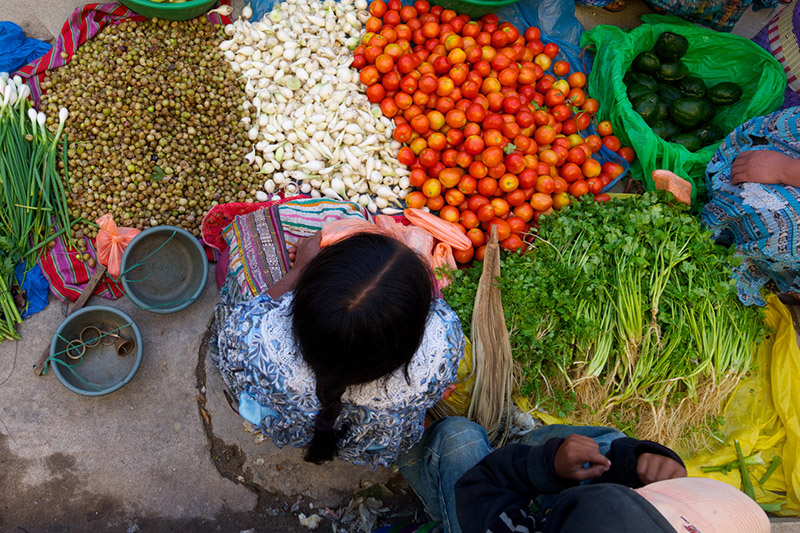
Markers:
(448, 448)
(603, 436)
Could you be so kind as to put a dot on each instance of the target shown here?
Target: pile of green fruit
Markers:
(677, 105)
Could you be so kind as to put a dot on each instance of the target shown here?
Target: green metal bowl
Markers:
(101, 371)
(164, 269)
(179, 11)
(474, 8)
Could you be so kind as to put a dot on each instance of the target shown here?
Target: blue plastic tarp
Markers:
(16, 50)
(36, 287)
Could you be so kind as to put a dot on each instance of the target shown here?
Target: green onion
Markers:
(33, 209)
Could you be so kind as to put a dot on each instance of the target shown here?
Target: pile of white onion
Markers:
(313, 129)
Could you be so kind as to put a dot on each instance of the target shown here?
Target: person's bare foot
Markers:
(615, 6)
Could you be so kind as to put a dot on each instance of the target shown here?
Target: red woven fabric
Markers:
(68, 273)
(220, 216)
(84, 23)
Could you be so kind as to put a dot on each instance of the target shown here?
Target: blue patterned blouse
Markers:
(260, 362)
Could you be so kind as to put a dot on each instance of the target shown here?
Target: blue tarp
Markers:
(17, 50)
(36, 287)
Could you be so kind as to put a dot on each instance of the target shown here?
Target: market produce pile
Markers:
(678, 105)
(32, 195)
(493, 138)
(624, 314)
(314, 130)
(154, 136)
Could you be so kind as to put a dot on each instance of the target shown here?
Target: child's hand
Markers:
(652, 467)
(572, 456)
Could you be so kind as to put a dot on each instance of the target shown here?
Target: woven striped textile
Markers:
(258, 254)
(780, 38)
(761, 221)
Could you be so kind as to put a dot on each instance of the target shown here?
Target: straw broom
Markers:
(490, 405)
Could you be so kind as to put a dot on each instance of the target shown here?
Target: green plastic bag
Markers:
(713, 56)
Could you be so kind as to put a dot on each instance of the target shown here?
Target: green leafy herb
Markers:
(624, 313)
(158, 173)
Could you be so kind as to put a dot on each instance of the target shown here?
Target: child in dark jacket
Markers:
(579, 478)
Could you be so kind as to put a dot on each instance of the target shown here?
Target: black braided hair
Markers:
(359, 314)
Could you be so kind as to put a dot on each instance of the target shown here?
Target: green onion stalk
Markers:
(33, 203)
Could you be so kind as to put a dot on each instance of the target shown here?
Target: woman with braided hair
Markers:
(345, 353)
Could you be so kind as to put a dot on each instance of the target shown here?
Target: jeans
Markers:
(451, 446)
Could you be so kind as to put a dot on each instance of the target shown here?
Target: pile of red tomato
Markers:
(491, 139)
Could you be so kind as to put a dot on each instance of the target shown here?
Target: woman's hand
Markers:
(652, 467)
(765, 166)
(574, 453)
(306, 250)
(299, 257)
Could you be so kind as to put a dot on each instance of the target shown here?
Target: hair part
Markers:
(359, 314)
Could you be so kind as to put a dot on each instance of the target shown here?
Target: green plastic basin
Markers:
(101, 371)
(179, 11)
(474, 8)
(164, 269)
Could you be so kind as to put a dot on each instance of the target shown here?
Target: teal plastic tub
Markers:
(101, 370)
(164, 269)
(169, 11)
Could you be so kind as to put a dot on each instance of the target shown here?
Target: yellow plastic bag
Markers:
(456, 401)
(763, 414)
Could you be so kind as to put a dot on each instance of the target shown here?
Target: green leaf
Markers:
(158, 173)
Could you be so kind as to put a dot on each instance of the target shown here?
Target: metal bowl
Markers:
(164, 269)
(100, 370)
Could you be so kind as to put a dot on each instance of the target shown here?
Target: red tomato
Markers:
(487, 187)
(403, 133)
(579, 188)
(377, 8)
(604, 128)
(533, 34)
(508, 183)
(554, 97)
(560, 68)
(595, 185)
(612, 142)
(492, 156)
(591, 106)
(627, 153)
(602, 198)
(515, 163)
(406, 156)
(551, 50)
(561, 112)
(473, 144)
(570, 172)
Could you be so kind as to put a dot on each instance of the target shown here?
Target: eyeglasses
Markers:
(92, 336)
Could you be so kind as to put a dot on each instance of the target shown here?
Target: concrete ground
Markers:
(166, 453)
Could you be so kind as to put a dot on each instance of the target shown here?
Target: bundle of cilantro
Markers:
(624, 314)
